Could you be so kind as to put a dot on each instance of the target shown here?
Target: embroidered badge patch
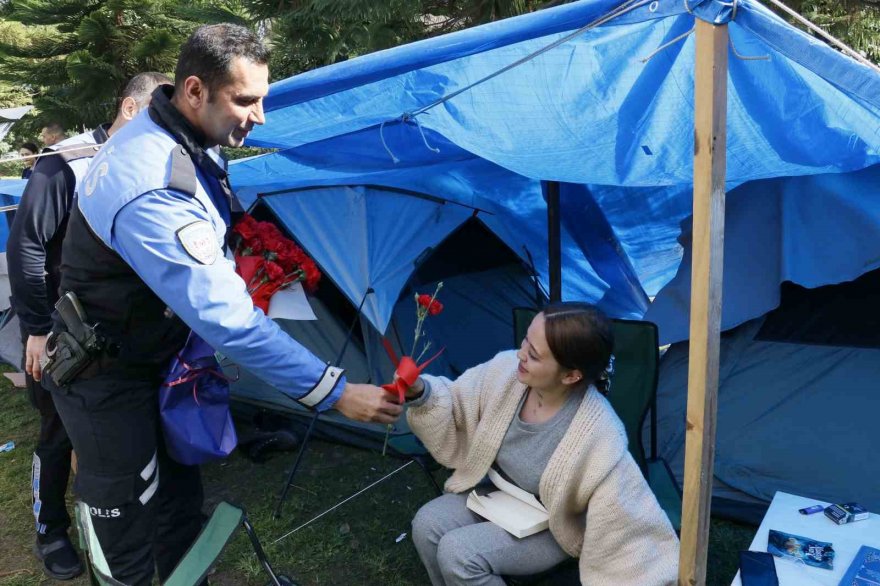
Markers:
(199, 241)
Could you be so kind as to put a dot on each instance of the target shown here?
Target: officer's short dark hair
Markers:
(141, 86)
(55, 128)
(30, 146)
(209, 51)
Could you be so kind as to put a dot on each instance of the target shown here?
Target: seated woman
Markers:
(539, 415)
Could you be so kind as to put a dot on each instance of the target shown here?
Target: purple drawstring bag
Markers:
(194, 406)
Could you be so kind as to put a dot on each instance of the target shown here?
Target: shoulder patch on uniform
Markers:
(199, 241)
(183, 172)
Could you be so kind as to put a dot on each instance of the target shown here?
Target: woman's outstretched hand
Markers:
(412, 392)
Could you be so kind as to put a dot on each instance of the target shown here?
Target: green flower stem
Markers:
(388, 429)
(421, 314)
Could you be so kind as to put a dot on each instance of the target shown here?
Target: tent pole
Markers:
(554, 241)
(710, 138)
(299, 456)
(305, 439)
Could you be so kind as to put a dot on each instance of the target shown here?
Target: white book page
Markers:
(515, 491)
(509, 513)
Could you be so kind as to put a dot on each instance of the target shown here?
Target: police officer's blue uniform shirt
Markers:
(174, 242)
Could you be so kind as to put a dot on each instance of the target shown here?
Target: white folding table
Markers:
(845, 539)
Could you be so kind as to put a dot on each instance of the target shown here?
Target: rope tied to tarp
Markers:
(394, 159)
(406, 117)
(733, 50)
(846, 49)
(49, 153)
(680, 37)
(339, 504)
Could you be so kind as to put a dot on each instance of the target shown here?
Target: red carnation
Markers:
(285, 256)
(272, 243)
(255, 245)
(245, 229)
(312, 274)
(269, 230)
(434, 307)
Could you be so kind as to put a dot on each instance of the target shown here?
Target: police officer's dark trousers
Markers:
(143, 508)
(50, 470)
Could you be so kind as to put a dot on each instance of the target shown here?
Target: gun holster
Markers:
(69, 352)
(66, 358)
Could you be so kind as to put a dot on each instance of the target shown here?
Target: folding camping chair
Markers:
(200, 557)
(633, 394)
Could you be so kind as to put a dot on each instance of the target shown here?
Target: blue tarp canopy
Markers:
(11, 190)
(10, 194)
(482, 116)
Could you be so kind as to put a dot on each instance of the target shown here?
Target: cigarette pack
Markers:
(846, 513)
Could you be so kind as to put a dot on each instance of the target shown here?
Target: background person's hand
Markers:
(368, 403)
(33, 351)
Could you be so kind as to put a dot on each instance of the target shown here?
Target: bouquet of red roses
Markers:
(268, 261)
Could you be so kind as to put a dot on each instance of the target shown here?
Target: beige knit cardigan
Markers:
(601, 508)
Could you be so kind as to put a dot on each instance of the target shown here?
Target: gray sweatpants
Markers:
(459, 547)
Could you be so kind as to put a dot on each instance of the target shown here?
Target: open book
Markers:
(511, 508)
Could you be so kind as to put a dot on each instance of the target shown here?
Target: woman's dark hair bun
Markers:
(580, 337)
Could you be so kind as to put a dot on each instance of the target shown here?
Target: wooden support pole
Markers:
(710, 137)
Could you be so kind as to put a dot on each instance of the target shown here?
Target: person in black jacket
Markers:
(34, 255)
(28, 149)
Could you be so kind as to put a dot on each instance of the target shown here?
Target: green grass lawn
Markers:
(353, 545)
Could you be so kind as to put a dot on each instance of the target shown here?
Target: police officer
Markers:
(34, 253)
(144, 254)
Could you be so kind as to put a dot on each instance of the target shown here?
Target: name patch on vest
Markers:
(199, 241)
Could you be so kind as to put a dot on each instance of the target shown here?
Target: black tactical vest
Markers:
(141, 330)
